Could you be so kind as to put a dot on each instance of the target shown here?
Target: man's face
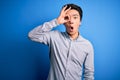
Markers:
(73, 22)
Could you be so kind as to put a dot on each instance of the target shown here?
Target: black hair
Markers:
(75, 7)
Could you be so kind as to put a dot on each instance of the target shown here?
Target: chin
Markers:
(71, 33)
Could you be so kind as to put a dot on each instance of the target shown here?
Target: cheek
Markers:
(77, 24)
(77, 21)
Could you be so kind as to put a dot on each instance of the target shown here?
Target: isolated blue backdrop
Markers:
(22, 59)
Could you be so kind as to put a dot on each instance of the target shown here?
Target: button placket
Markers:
(68, 60)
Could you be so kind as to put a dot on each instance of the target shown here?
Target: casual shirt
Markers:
(69, 59)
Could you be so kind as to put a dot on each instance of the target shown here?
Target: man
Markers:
(70, 53)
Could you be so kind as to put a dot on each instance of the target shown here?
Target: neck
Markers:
(74, 36)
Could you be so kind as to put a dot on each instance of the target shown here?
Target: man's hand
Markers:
(63, 18)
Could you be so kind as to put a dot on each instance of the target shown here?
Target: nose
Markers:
(70, 20)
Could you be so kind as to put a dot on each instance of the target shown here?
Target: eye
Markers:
(75, 17)
(66, 18)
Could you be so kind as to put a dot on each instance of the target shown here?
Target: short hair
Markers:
(75, 7)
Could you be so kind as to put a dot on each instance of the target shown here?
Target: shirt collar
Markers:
(79, 38)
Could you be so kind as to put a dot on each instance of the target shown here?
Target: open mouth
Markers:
(71, 27)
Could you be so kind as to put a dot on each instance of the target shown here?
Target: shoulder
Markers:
(55, 34)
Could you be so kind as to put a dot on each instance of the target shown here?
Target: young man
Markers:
(69, 51)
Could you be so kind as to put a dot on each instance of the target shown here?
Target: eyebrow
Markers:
(75, 15)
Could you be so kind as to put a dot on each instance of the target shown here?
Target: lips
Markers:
(71, 28)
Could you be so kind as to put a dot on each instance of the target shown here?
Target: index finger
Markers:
(67, 9)
(64, 8)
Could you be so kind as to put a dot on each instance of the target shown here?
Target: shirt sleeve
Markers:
(42, 33)
(89, 65)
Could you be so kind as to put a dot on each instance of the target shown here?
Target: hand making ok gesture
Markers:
(63, 17)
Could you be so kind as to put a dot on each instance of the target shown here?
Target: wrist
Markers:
(58, 20)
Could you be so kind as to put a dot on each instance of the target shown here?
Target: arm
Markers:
(89, 65)
(42, 33)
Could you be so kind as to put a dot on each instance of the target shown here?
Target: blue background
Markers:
(22, 59)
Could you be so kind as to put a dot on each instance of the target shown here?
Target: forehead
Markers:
(73, 12)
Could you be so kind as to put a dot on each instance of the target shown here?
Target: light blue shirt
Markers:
(67, 57)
